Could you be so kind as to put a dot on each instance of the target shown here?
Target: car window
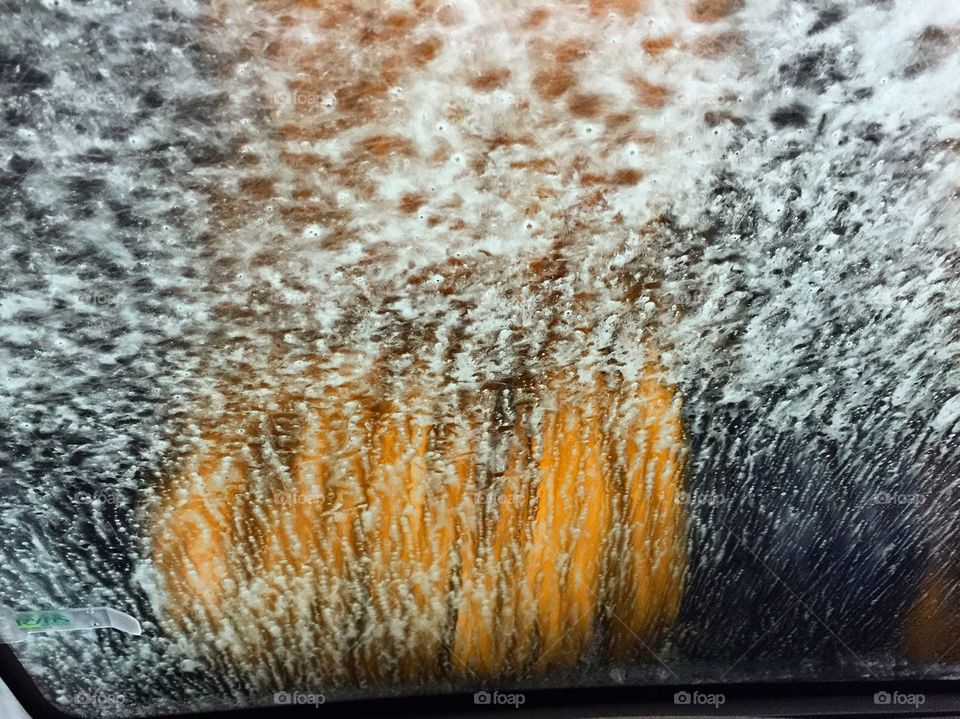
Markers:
(358, 350)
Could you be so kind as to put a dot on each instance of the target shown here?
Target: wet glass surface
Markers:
(360, 349)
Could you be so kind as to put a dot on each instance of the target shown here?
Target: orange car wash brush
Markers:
(571, 521)
(495, 538)
(382, 550)
(401, 552)
(932, 625)
(646, 554)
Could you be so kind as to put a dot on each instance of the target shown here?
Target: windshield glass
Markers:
(355, 348)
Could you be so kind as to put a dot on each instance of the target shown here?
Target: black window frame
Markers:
(749, 699)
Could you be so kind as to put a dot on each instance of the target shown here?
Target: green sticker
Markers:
(32, 621)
